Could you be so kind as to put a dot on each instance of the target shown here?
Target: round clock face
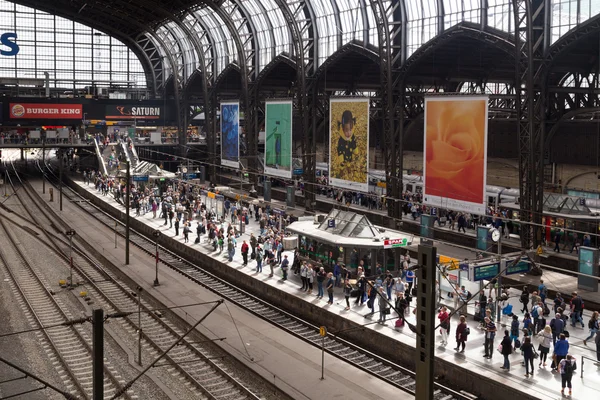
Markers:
(495, 235)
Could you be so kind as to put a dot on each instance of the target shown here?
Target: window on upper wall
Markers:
(73, 54)
(422, 23)
(567, 14)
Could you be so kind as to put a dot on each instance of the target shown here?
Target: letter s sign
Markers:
(9, 40)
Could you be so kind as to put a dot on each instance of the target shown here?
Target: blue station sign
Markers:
(8, 44)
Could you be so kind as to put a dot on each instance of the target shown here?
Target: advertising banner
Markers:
(349, 143)
(45, 111)
(230, 134)
(278, 138)
(143, 113)
(454, 166)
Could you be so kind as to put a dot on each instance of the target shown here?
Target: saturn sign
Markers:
(8, 44)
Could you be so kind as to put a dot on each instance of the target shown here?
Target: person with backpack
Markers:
(543, 291)
(577, 310)
(536, 313)
(567, 368)
(462, 333)
(514, 330)
(524, 299)
(593, 325)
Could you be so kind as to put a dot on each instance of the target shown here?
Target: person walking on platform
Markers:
(329, 285)
(186, 233)
(444, 324)
(557, 325)
(347, 293)
(462, 333)
(285, 265)
(561, 349)
(258, 258)
(577, 310)
(490, 334)
(514, 330)
(544, 347)
(506, 350)
(310, 277)
(320, 279)
(567, 368)
(597, 340)
(245, 249)
(557, 241)
(371, 300)
(524, 299)
(528, 351)
(303, 272)
(593, 325)
(543, 291)
(383, 306)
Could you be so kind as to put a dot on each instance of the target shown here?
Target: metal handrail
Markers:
(582, 362)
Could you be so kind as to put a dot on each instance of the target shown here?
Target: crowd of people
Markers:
(389, 293)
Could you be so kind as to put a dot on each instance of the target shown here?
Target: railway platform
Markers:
(543, 385)
(290, 364)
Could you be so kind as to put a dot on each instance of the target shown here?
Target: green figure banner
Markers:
(278, 139)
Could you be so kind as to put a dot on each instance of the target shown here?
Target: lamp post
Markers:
(70, 233)
(156, 234)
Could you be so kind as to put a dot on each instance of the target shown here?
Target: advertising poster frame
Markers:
(342, 147)
(230, 133)
(455, 152)
(278, 117)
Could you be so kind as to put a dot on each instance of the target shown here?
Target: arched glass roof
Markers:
(224, 46)
(73, 54)
(567, 14)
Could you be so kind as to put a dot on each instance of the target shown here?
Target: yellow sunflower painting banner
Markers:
(349, 143)
(455, 161)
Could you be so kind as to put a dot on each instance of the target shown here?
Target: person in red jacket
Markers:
(444, 324)
(245, 248)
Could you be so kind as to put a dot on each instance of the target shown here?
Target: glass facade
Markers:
(567, 14)
(74, 55)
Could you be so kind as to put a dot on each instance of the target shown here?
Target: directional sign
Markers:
(323, 331)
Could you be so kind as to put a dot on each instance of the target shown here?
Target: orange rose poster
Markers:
(454, 166)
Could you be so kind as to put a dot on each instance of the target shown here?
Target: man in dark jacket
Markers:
(557, 325)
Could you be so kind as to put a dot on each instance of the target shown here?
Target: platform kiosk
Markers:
(348, 237)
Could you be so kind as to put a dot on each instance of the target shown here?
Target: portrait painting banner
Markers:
(455, 152)
(278, 138)
(230, 134)
(349, 143)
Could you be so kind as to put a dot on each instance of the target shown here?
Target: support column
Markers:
(425, 322)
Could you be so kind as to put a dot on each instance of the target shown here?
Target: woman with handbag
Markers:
(462, 332)
(528, 355)
(544, 347)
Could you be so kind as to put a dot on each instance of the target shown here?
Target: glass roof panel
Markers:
(196, 27)
(75, 55)
(221, 36)
(567, 14)
(456, 11)
(422, 24)
(500, 15)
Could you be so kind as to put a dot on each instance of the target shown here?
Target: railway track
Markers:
(200, 365)
(69, 347)
(360, 358)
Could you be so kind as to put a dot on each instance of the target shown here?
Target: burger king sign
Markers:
(45, 111)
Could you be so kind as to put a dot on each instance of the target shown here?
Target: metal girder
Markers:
(247, 68)
(393, 144)
(530, 45)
